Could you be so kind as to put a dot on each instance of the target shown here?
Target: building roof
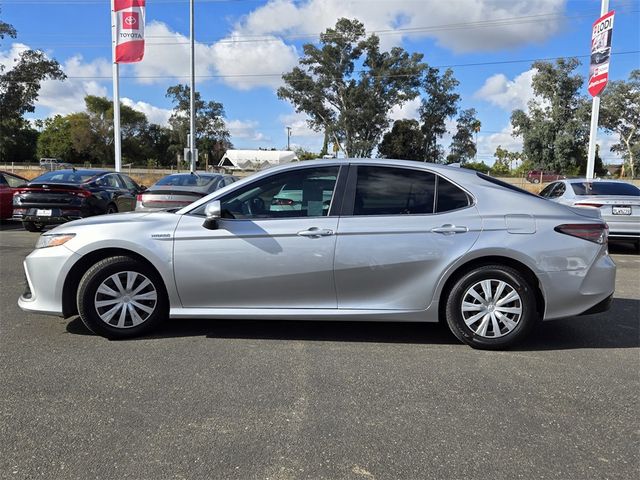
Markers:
(256, 159)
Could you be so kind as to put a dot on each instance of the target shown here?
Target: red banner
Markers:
(128, 30)
(600, 53)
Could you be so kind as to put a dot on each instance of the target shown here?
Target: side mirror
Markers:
(213, 214)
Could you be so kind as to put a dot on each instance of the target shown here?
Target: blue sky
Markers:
(244, 46)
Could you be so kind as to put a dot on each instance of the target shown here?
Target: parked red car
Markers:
(543, 176)
(8, 184)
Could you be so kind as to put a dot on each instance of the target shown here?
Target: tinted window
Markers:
(605, 188)
(12, 181)
(558, 190)
(450, 197)
(298, 193)
(129, 183)
(187, 180)
(546, 191)
(393, 191)
(66, 176)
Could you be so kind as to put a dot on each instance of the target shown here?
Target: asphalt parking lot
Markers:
(311, 400)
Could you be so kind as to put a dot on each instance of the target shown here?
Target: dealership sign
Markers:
(128, 30)
(600, 53)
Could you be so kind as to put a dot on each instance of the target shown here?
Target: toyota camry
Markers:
(371, 240)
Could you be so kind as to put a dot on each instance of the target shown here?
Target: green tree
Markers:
(303, 154)
(212, 135)
(19, 89)
(404, 141)
(439, 104)
(351, 106)
(620, 113)
(463, 147)
(555, 131)
(505, 159)
(478, 166)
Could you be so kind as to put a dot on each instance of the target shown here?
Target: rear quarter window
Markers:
(450, 197)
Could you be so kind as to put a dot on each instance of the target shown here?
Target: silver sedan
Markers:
(617, 201)
(398, 241)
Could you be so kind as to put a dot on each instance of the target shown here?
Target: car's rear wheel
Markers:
(535, 180)
(111, 208)
(491, 307)
(120, 297)
(32, 226)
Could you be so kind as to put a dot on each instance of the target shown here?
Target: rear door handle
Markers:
(449, 229)
(315, 232)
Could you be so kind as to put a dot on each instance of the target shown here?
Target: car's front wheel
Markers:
(491, 307)
(121, 297)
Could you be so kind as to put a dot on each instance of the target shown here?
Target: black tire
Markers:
(111, 208)
(481, 333)
(32, 226)
(536, 180)
(121, 325)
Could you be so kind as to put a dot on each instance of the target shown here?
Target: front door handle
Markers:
(316, 232)
(449, 229)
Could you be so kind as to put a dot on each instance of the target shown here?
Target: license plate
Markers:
(621, 210)
(43, 213)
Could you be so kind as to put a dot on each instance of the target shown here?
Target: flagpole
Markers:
(116, 94)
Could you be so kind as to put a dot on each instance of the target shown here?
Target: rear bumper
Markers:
(603, 306)
(58, 215)
(571, 293)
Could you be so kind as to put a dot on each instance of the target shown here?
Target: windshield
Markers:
(186, 181)
(66, 176)
(605, 188)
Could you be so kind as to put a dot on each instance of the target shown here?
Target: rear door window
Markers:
(393, 191)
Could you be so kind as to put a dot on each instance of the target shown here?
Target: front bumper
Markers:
(45, 270)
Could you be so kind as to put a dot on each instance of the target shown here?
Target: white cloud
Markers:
(9, 58)
(460, 25)
(409, 110)
(63, 97)
(508, 94)
(239, 63)
(488, 143)
(299, 125)
(154, 114)
(246, 130)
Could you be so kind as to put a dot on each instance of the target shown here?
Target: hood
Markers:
(126, 221)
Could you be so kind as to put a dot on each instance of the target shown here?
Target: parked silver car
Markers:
(617, 201)
(180, 189)
(400, 240)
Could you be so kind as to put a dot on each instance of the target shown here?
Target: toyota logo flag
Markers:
(128, 30)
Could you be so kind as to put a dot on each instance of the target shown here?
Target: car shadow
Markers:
(617, 328)
(8, 224)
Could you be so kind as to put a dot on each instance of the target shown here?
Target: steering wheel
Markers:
(255, 206)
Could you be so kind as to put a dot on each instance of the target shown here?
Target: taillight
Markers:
(139, 197)
(593, 232)
(592, 205)
(81, 193)
(282, 201)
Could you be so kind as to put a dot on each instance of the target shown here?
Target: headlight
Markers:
(54, 240)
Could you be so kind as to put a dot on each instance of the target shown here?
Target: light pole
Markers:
(288, 138)
(595, 113)
(192, 101)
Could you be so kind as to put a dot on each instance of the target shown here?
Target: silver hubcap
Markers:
(125, 299)
(491, 308)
